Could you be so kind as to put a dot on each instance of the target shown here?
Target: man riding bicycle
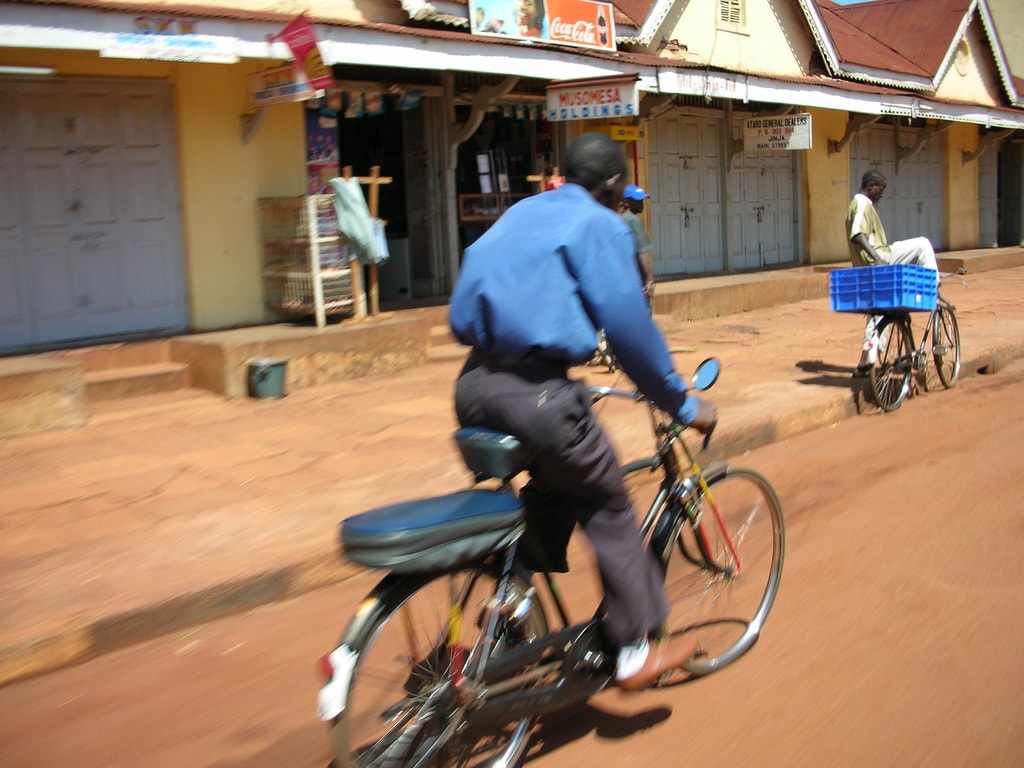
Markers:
(531, 295)
(869, 247)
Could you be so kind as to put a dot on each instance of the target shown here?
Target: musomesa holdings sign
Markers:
(593, 99)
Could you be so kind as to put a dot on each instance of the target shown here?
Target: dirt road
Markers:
(895, 640)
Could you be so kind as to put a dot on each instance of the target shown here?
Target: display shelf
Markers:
(486, 207)
(306, 269)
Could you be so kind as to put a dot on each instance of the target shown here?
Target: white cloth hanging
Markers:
(364, 233)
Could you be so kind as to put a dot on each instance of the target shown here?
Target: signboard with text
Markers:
(280, 85)
(781, 132)
(593, 99)
(171, 47)
(582, 23)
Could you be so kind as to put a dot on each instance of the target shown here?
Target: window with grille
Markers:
(732, 13)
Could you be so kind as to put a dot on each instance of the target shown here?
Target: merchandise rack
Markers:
(306, 270)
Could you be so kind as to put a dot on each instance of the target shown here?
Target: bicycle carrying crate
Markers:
(888, 287)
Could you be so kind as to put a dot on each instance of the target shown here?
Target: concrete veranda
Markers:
(165, 511)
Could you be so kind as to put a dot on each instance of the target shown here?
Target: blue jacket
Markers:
(551, 271)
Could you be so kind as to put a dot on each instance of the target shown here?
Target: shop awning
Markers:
(388, 45)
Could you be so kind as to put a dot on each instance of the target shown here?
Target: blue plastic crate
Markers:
(905, 287)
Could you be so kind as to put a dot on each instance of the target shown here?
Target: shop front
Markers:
(396, 121)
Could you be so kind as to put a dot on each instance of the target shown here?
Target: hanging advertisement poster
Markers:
(322, 144)
(301, 40)
(582, 23)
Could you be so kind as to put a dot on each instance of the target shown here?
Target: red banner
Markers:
(301, 39)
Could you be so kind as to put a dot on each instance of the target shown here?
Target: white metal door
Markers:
(97, 208)
(686, 194)
(14, 304)
(913, 202)
(762, 211)
(988, 197)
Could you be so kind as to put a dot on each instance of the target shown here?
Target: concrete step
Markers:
(117, 355)
(134, 380)
(981, 259)
(700, 298)
(448, 351)
(39, 394)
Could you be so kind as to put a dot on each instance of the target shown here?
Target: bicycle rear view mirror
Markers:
(706, 374)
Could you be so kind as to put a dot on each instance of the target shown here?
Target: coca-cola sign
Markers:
(581, 23)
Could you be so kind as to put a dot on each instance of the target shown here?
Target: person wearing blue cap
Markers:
(632, 206)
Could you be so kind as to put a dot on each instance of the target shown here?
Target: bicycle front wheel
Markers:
(890, 377)
(946, 346)
(401, 706)
(724, 564)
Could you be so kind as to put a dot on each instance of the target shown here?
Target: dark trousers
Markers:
(576, 474)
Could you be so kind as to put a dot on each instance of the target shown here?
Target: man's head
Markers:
(633, 198)
(595, 162)
(872, 184)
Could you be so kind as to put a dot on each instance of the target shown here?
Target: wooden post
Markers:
(373, 181)
(356, 270)
(542, 179)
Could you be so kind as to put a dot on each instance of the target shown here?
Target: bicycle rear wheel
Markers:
(401, 706)
(890, 376)
(946, 346)
(721, 583)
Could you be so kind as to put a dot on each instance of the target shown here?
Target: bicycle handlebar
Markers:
(674, 427)
(704, 377)
(602, 392)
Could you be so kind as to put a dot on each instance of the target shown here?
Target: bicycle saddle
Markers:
(491, 454)
(436, 533)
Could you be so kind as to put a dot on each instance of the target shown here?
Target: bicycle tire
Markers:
(400, 705)
(890, 376)
(725, 610)
(946, 346)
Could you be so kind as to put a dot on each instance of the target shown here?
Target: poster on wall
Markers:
(322, 162)
(582, 23)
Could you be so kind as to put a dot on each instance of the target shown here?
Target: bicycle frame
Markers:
(483, 646)
(917, 359)
(678, 484)
(495, 686)
(899, 356)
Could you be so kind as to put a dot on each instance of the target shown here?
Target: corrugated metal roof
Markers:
(636, 11)
(850, 80)
(911, 37)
